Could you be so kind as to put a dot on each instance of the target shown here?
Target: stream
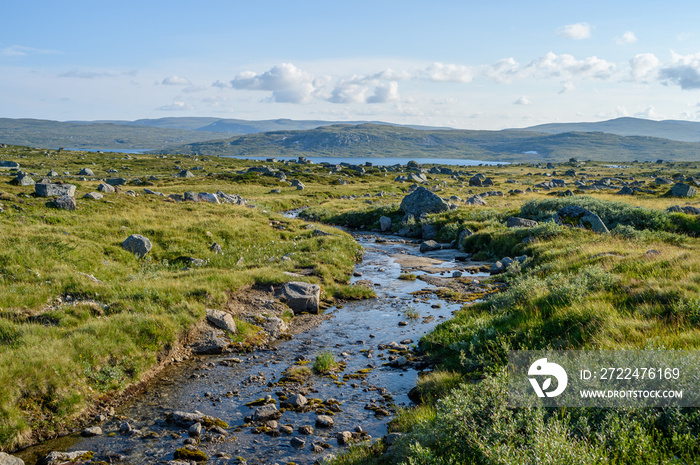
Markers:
(221, 385)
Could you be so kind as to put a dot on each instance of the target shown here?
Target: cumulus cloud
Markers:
(286, 82)
(176, 106)
(502, 71)
(441, 72)
(522, 101)
(220, 85)
(567, 87)
(576, 31)
(644, 67)
(175, 81)
(564, 65)
(683, 70)
(648, 113)
(385, 93)
(625, 39)
(358, 89)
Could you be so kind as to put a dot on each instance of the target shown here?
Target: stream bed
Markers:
(357, 333)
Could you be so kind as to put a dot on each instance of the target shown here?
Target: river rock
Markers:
(266, 412)
(125, 427)
(106, 188)
(385, 223)
(274, 326)
(221, 320)
(64, 202)
(92, 431)
(60, 458)
(301, 296)
(307, 430)
(429, 246)
(7, 459)
(286, 429)
(195, 430)
(344, 437)
(53, 190)
(296, 401)
(574, 216)
(297, 443)
(515, 222)
(23, 179)
(324, 421)
(211, 342)
(423, 201)
(682, 190)
(137, 244)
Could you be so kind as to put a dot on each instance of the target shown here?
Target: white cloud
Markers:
(625, 39)
(175, 81)
(21, 51)
(440, 72)
(683, 70)
(220, 85)
(522, 101)
(648, 113)
(176, 106)
(644, 67)
(502, 71)
(564, 65)
(385, 93)
(576, 31)
(352, 90)
(567, 86)
(286, 82)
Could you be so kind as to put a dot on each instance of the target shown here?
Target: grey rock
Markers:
(275, 191)
(423, 201)
(65, 202)
(682, 190)
(187, 419)
(625, 191)
(195, 430)
(216, 248)
(125, 427)
(221, 320)
(23, 179)
(234, 199)
(8, 164)
(92, 431)
(185, 174)
(391, 438)
(191, 196)
(477, 180)
(266, 412)
(515, 222)
(285, 429)
(115, 181)
(574, 216)
(429, 246)
(52, 174)
(297, 443)
(428, 232)
(206, 197)
(86, 172)
(53, 190)
(463, 234)
(307, 430)
(385, 223)
(296, 401)
(301, 296)
(106, 188)
(274, 326)
(7, 459)
(211, 342)
(137, 244)
(475, 200)
(93, 196)
(324, 421)
(344, 437)
(60, 458)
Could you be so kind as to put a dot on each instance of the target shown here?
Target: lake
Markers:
(388, 161)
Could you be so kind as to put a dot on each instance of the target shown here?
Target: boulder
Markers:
(137, 244)
(92, 431)
(422, 201)
(52, 173)
(86, 172)
(53, 190)
(476, 200)
(682, 190)
(385, 223)
(191, 196)
(230, 198)
(93, 196)
(216, 248)
(274, 326)
(115, 181)
(185, 174)
(429, 246)
(428, 232)
(625, 191)
(574, 216)
(515, 222)
(106, 188)
(211, 343)
(206, 197)
(344, 437)
(463, 234)
(221, 320)
(60, 458)
(64, 202)
(324, 421)
(8, 164)
(7, 459)
(266, 412)
(23, 179)
(296, 401)
(301, 296)
(477, 180)
(188, 419)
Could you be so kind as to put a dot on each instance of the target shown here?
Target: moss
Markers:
(185, 453)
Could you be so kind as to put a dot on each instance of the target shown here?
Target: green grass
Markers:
(325, 363)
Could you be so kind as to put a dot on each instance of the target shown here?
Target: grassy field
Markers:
(81, 319)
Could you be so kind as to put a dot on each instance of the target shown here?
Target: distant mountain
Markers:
(687, 131)
(373, 140)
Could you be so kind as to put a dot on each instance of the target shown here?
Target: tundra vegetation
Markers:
(81, 318)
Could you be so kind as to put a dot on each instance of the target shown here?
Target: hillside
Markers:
(686, 131)
(371, 140)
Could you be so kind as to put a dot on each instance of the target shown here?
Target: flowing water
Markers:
(220, 386)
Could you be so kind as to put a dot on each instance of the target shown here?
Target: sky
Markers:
(462, 64)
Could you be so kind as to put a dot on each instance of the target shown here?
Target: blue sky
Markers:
(474, 65)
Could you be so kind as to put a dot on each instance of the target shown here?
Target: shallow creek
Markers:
(221, 385)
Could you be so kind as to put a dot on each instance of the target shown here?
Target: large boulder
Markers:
(574, 216)
(7, 459)
(385, 223)
(463, 234)
(211, 343)
(8, 164)
(428, 232)
(53, 190)
(230, 198)
(137, 244)
(476, 200)
(429, 246)
(23, 179)
(106, 188)
(422, 201)
(301, 296)
(222, 320)
(65, 202)
(116, 181)
(86, 172)
(682, 190)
